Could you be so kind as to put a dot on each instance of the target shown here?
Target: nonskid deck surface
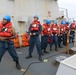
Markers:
(7, 66)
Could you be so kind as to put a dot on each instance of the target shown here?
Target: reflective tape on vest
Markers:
(62, 29)
(68, 26)
(54, 28)
(34, 25)
(48, 29)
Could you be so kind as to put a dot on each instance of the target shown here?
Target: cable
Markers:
(55, 55)
(29, 66)
(41, 61)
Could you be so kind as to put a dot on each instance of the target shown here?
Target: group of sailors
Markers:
(51, 33)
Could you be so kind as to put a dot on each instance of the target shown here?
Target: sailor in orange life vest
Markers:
(72, 31)
(67, 28)
(7, 34)
(46, 32)
(54, 35)
(61, 32)
(34, 31)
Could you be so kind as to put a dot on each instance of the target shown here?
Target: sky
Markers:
(70, 5)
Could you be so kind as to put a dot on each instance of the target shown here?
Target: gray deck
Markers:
(7, 66)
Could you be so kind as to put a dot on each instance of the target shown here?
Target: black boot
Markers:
(50, 48)
(42, 54)
(60, 46)
(56, 48)
(72, 41)
(29, 56)
(45, 51)
(64, 44)
(40, 58)
(18, 65)
(69, 41)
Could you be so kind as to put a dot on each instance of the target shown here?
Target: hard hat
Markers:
(48, 21)
(67, 22)
(63, 22)
(74, 21)
(55, 21)
(36, 16)
(7, 17)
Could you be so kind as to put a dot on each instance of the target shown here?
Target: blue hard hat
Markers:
(67, 22)
(48, 21)
(63, 22)
(74, 21)
(55, 21)
(7, 17)
(36, 16)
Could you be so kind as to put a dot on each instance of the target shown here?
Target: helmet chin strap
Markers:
(5, 23)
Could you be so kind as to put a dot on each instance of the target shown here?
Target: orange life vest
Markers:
(35, 26)
(67, 28)
(62, 29)
(5, 31)
(73, 25)
(47, 30)
(55, 29)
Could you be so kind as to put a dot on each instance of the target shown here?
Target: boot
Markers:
(72, 41)
(40, 58)
(42, 54)
(56, 49)
(69, 41)
(29, 56)
(64, 44)
(18, 65)
(50, 48)
(60, 46)
(45, 51)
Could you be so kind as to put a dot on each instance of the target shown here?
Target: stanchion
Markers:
(67, 43)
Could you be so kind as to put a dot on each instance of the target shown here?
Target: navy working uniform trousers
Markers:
(64, 39)
(8, 46)
(54, 39)
(60, 39)
(44, 42)
(34, 40)
(72, 35)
